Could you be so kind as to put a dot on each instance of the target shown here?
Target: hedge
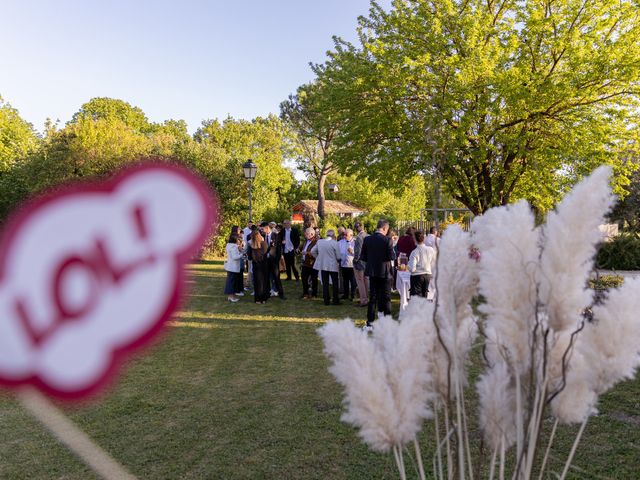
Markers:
(622, 253)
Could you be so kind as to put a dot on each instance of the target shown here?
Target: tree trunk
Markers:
(436, 202)
(321, 181)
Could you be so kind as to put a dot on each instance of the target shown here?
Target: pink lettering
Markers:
(97, 269)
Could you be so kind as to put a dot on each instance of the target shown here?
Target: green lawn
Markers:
(242, 391)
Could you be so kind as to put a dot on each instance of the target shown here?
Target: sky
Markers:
(191, 60)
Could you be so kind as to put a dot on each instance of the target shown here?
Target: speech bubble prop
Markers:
(91, 273)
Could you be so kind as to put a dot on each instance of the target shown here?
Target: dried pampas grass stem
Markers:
(416, 446)
(573, 449)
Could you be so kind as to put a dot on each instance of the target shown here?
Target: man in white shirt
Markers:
(421, 263)
(433, 240)
(246, 231)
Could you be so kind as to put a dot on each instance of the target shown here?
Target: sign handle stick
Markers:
(70, 435)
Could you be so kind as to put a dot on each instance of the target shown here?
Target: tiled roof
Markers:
(330, 206)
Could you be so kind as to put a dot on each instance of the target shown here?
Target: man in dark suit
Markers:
(273, 259)
(289, 247)
(378, 253)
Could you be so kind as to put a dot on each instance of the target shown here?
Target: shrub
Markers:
(330, 222)
(605, 282)
(370, 221)
(277, 214)
(601, 286)
(622, 253)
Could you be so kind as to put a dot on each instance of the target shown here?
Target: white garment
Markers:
(403, 285)
(234, 258)
(346, 257)
(421, 260)
(306, 246)
(288, 244)
(432, 241)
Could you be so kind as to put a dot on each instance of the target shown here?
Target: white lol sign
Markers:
(92, 272)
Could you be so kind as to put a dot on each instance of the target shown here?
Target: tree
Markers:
(498, 100)
(627, 211)
(113, 109)
(18, 141)
(220, 149)
(106, 134)
(404, 201)
(166, 137)
(102, 136)
(314, 137)
(17, 137)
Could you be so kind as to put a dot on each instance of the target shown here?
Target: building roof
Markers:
(330, 206)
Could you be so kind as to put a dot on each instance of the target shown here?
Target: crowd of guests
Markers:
(348, 263)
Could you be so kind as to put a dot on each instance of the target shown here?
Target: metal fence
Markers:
(425, 225)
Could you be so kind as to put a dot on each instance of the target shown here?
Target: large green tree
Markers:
(105, 108)
(403, 201)
(18, 141)
(220, 150)
(17, 137)
(103, 135)
(497, 99)
(106, 134)
(314, 134)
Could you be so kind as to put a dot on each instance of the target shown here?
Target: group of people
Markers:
(344, 261)
(379, 253)
(264, 251)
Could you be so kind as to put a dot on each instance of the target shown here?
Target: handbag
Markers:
(282, 265)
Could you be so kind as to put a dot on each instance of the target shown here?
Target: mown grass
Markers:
(238, 391)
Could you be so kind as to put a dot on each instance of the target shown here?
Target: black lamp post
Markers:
(249, 170)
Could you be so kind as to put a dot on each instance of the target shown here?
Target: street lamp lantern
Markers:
(249, 170)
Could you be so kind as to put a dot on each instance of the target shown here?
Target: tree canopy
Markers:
(104, 108)
(231, 143)
(402, 202)
(498, 100)
(106, 134)
(314, 133)
(17, 137)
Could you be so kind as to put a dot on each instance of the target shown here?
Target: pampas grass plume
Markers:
(507, 238)
(571, 235)
(611, 344)
(497, 406)
(577, 400)
(385, 378)
(457, 275)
